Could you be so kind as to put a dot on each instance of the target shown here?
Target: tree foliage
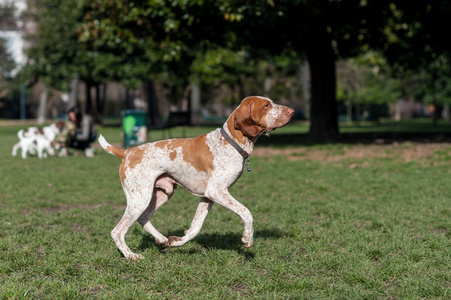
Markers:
(180, 41)
(371, 77)
(171, 38)
(430, 85)
(8, 16)
(415, 33)
(7, 63)
(53, 57)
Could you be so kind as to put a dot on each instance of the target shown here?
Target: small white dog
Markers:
(35, 140)
(45, 140)
(26, 140)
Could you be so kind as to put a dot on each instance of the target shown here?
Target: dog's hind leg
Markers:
(137, 203)
(164, 189)
(199, 217)
(15, 148)
(159, 198)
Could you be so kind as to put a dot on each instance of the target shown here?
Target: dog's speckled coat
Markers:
(206, 165)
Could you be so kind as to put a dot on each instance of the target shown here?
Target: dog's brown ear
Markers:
(244, 122)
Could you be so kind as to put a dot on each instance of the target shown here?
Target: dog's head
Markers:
(257, 115)
(57, 127)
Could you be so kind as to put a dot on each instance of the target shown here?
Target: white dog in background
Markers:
(26, 140)
(45, 139)
(40, 141)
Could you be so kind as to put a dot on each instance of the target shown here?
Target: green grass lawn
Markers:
(351, 228)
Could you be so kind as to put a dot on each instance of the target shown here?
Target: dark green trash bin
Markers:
(134, 127)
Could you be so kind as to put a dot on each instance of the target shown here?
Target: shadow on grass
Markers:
(224, 241)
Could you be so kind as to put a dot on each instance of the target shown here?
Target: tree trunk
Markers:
(153, 114)
(88, 107)
(42, 109)
(96, 111)
(186, 97)
(101, 101)
(437, 114)
(349, 106)
(323, 114)
(73, 95)
(127, 99)
(357, 105)
(267, 84)
(196, 114)
(306, 87)
(23, 106)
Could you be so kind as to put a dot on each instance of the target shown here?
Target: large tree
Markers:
(410, 33)
(56, 56)
(151, 39)
(322, 30)
(158, 40)
(8, 16)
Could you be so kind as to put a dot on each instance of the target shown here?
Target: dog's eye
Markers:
(267, 104)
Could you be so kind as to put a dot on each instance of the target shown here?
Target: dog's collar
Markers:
(237, 147)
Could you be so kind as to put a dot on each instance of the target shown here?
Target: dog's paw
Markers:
(172, 240)
(161, 243)
(247, 242)
(134, 257)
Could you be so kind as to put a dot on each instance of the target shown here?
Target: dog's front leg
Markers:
(221, 196)
(199, 217)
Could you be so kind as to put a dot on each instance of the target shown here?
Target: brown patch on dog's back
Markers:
(164, 144)
(133, 157)
(195, 152)
(173, 155)
(198, 154)
(161, 144)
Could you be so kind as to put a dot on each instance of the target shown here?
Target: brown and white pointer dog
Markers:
(207, 166)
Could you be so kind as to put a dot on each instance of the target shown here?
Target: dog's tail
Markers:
(20, 134)
(111, 149)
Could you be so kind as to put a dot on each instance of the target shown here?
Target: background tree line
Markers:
(396, 46)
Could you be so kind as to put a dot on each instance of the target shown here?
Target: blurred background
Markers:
(332, 61)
